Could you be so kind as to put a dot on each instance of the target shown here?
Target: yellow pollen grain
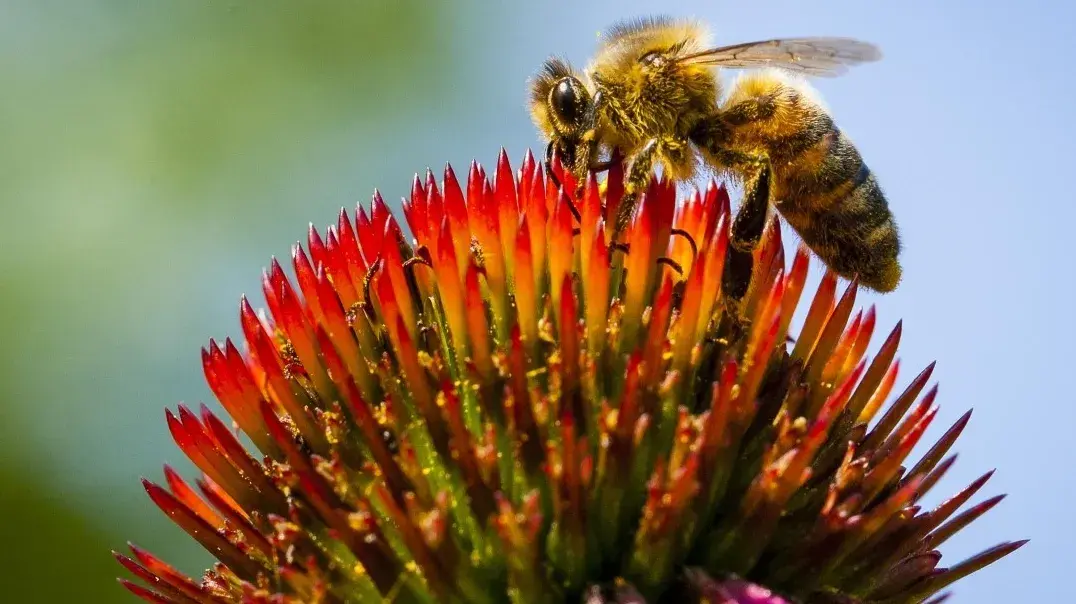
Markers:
(425, 359)
(611, 419)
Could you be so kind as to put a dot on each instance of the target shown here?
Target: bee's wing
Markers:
(825, 57)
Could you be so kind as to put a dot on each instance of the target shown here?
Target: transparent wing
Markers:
(823, 57)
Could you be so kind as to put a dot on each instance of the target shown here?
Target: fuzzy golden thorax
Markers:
(646, 91)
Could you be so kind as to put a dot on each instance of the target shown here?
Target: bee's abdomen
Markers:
(821, 185)
(829, 195)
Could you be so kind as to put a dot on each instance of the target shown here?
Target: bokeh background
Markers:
(154, 155)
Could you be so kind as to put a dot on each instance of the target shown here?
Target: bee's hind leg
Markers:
(746, 232)
(713, 136)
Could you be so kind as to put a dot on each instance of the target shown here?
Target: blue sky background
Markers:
(967, 122)
(134, 224)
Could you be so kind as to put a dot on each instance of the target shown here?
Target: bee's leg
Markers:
(642, 163)
(749, 110)
(580, 164)
(746, 232)
(570, 151)
(549, 150)
(586, 154)
(712, 137)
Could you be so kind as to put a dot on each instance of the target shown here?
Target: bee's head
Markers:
(559, 104)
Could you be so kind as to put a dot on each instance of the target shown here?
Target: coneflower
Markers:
(508, 408)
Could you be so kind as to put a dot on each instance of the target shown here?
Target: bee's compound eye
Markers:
(567, 100)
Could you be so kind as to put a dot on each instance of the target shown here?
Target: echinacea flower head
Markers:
(505, 406)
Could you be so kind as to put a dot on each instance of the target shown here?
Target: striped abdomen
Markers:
(821, 185)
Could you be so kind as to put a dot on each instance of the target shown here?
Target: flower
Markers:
(512, 409)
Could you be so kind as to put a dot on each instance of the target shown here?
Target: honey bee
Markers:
(652, 93)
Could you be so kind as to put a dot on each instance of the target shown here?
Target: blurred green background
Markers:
(154, 155)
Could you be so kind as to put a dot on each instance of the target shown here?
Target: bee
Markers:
(652, 92)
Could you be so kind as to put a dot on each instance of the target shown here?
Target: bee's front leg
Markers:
(586, 155)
